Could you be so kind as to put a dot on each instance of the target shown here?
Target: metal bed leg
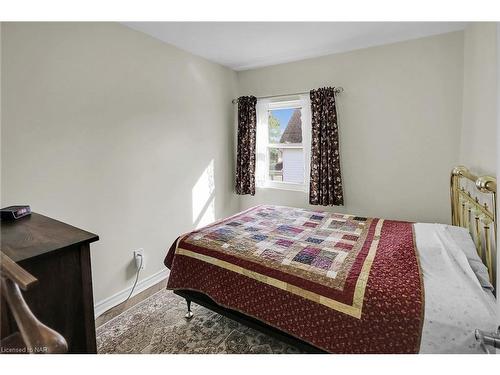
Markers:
(189, 313)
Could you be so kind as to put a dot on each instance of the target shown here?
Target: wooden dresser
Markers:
(58, 255)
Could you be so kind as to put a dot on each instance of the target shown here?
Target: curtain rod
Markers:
(337, 90)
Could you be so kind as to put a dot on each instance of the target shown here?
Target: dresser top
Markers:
(35, 235)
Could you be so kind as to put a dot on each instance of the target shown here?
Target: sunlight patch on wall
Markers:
(203, 197)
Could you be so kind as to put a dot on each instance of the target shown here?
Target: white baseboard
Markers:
(107, 303)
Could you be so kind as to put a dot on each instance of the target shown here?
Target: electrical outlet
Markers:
(140, 260)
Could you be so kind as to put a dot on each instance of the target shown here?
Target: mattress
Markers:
(343, 283)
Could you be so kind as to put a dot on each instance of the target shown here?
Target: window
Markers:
(282, 144)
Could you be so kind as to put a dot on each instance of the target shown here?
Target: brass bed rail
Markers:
(475, 214)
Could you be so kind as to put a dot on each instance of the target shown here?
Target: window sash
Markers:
(263, 146)
(288, 104)
(284, 145)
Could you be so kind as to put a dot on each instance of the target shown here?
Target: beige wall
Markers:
(400, 119)
(110, 130)
(478, 148)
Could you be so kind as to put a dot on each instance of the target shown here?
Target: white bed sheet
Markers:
(455, 302)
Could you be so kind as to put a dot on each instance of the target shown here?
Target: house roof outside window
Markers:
(293, 131)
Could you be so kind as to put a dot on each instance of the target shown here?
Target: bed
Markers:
(339, 283)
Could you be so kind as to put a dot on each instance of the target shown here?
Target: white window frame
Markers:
(262, 166)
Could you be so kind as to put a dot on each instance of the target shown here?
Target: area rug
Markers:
(157, 325)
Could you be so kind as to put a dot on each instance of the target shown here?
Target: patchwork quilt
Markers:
(343, 283)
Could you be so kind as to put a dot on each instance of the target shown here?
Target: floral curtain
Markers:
(326, 181)
(245, 163)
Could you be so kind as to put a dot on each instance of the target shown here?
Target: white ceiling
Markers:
(247, 45)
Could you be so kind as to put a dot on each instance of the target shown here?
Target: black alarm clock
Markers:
(14, 212)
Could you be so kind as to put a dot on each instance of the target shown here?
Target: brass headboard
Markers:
(478, 214)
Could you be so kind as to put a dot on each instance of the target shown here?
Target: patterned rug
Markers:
(157, 325)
